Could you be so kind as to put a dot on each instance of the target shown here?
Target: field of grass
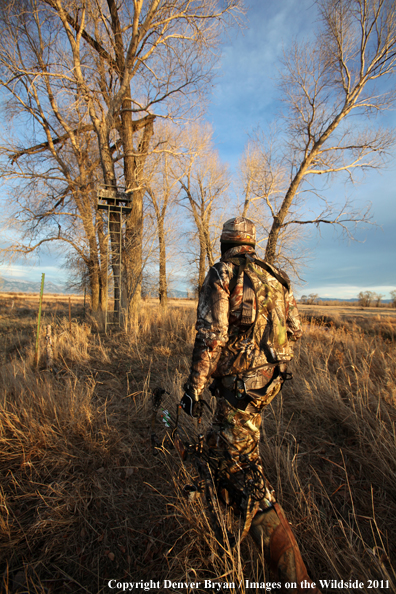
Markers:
(349, 311)
(84, 501)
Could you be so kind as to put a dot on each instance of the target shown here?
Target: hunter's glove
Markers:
(191, 405)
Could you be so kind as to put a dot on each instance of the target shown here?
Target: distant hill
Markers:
(22, 286)
(352, 299)
(176, 294)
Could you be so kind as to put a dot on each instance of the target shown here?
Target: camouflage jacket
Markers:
(247, 320)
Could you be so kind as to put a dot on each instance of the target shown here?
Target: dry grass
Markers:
(330, 444)
(348, 311)
(82, 499)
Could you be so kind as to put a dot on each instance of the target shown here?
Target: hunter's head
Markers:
(238, 231)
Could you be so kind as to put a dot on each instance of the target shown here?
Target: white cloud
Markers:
(32, 273)
(344, 291)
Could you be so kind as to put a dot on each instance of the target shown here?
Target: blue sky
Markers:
(245, 96)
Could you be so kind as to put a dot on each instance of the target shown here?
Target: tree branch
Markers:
(86, 36)
(43, 146)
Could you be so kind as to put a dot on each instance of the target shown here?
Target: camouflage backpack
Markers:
(260, 338)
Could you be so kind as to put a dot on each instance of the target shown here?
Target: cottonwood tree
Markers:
(150, 58)
(263, 176)
(263, 181)
(378, 298)
(331, 88)
(311, 299)
(123, 64)
(51, 162)
(204, 181)
(163, 189)
(365, 298)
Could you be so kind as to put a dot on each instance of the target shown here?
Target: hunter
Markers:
(247, 325)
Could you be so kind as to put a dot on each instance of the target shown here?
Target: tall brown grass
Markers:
(83, 500)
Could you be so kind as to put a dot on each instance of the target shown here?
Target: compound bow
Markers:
(242, 491)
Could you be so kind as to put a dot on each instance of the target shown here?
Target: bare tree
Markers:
(263, 182)
(378, 298)
(263, 176)
(365, 298)
(330, 90)
(165, 48)
(163, 189)
(312, 298)
(393, 297)
(123, 64)
(205, 183)
(51, 163)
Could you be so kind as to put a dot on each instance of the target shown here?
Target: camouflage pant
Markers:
(233, 439)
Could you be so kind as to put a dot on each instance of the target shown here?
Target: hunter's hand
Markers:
(191, 406)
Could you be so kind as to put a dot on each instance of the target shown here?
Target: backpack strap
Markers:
(233, 281)
(249, 296)
(249, 300)
(283, 280)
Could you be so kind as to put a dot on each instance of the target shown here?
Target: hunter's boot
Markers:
(272, 532)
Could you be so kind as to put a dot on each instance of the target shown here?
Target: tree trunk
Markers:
(93, 266)
(95, 289)
(208, 246)
(270, 251)
(202, 260)
(163, 293)
(279, 219)
(134, 160)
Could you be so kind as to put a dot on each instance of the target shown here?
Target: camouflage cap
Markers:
(239, 230)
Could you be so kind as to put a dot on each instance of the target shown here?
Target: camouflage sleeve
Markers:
(293, 321)
(212, 327)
